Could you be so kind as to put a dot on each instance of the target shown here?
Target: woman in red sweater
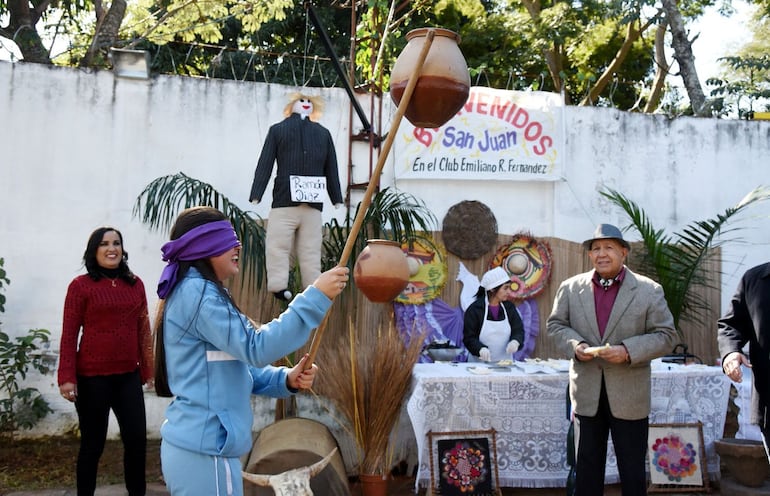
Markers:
(105, 357)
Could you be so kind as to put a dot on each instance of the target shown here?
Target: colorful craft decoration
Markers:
(528, 261)
(674, 458)
(464, 466)
(427, 271)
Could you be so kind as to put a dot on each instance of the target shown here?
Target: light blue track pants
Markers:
(188, 473)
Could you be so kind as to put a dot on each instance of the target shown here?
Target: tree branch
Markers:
(632, 34)
(662, 69)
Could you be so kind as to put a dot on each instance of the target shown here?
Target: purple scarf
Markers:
(207, 240)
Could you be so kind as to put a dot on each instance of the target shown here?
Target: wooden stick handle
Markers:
(375, 180)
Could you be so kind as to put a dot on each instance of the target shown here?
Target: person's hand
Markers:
(484, 354)
(615, 354)
(299, 378)
(69, 391)
(580, 355)
(512, 347)
(731, 365)
(150, 384)
(333, 281)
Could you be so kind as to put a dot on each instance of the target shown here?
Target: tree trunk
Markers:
(21, 29)
(683, 54)
(662, 71)
(106, 35)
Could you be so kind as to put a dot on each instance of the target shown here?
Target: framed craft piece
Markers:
(463, 463)
(676, 458)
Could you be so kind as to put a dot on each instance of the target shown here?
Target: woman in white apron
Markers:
(493, 329)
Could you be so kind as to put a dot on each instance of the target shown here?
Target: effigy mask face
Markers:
(303, 107)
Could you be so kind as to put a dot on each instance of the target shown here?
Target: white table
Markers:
(528, 412)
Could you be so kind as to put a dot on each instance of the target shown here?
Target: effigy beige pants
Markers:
(292, 230)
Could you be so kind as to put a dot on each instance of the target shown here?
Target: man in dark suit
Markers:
(748, 321)
(611, 322)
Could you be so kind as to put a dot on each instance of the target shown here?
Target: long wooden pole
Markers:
(375, 180)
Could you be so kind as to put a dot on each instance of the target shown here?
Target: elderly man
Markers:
(611, 322)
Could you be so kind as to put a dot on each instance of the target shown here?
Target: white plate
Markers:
(479, 370)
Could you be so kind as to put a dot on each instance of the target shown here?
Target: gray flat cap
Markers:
(606, 231)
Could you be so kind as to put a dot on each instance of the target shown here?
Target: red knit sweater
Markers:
(113, 326)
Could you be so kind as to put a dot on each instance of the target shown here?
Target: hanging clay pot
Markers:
(381, 271)
(444, 82)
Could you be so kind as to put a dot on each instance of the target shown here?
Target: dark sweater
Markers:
(115, 326)
(300, 147)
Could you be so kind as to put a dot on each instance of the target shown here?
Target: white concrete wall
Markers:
(77, 148)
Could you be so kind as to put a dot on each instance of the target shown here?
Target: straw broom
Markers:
(367, 375)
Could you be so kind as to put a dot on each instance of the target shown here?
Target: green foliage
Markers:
(519, 44)
(676, 261)
(195, 20)
(161, 201)
(743, 84)
(20, 407)
(748, 79)
(284, 50)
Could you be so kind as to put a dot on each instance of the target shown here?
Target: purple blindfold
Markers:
(207, 240)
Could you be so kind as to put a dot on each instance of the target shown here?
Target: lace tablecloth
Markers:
(528, 412)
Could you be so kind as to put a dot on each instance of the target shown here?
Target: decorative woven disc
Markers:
(469, 229)
(528, 261)
(427, 271)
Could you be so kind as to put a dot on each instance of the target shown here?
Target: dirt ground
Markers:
(36, 467)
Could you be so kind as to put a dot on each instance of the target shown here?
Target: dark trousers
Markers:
(629, 437)
(96, 396)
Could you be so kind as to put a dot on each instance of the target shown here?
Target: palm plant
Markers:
(391, 215)
(160, 202)
(677, 260)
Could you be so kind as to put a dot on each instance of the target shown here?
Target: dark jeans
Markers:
(96, 396)
(629, 437)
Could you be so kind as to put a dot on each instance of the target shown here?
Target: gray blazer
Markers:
(640, 319)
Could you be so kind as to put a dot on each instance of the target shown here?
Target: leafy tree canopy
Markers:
(597, 52)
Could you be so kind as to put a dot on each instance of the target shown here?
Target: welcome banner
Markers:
(497, 135)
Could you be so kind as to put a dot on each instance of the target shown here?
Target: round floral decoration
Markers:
(464, 467)
(674, 458)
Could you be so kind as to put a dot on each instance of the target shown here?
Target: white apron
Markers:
(495, 334)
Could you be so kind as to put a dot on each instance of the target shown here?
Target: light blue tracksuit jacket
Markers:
(216, 359)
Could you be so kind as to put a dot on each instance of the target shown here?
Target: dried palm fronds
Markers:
(367, 374)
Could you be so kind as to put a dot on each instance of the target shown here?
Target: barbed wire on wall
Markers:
(256, 65)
